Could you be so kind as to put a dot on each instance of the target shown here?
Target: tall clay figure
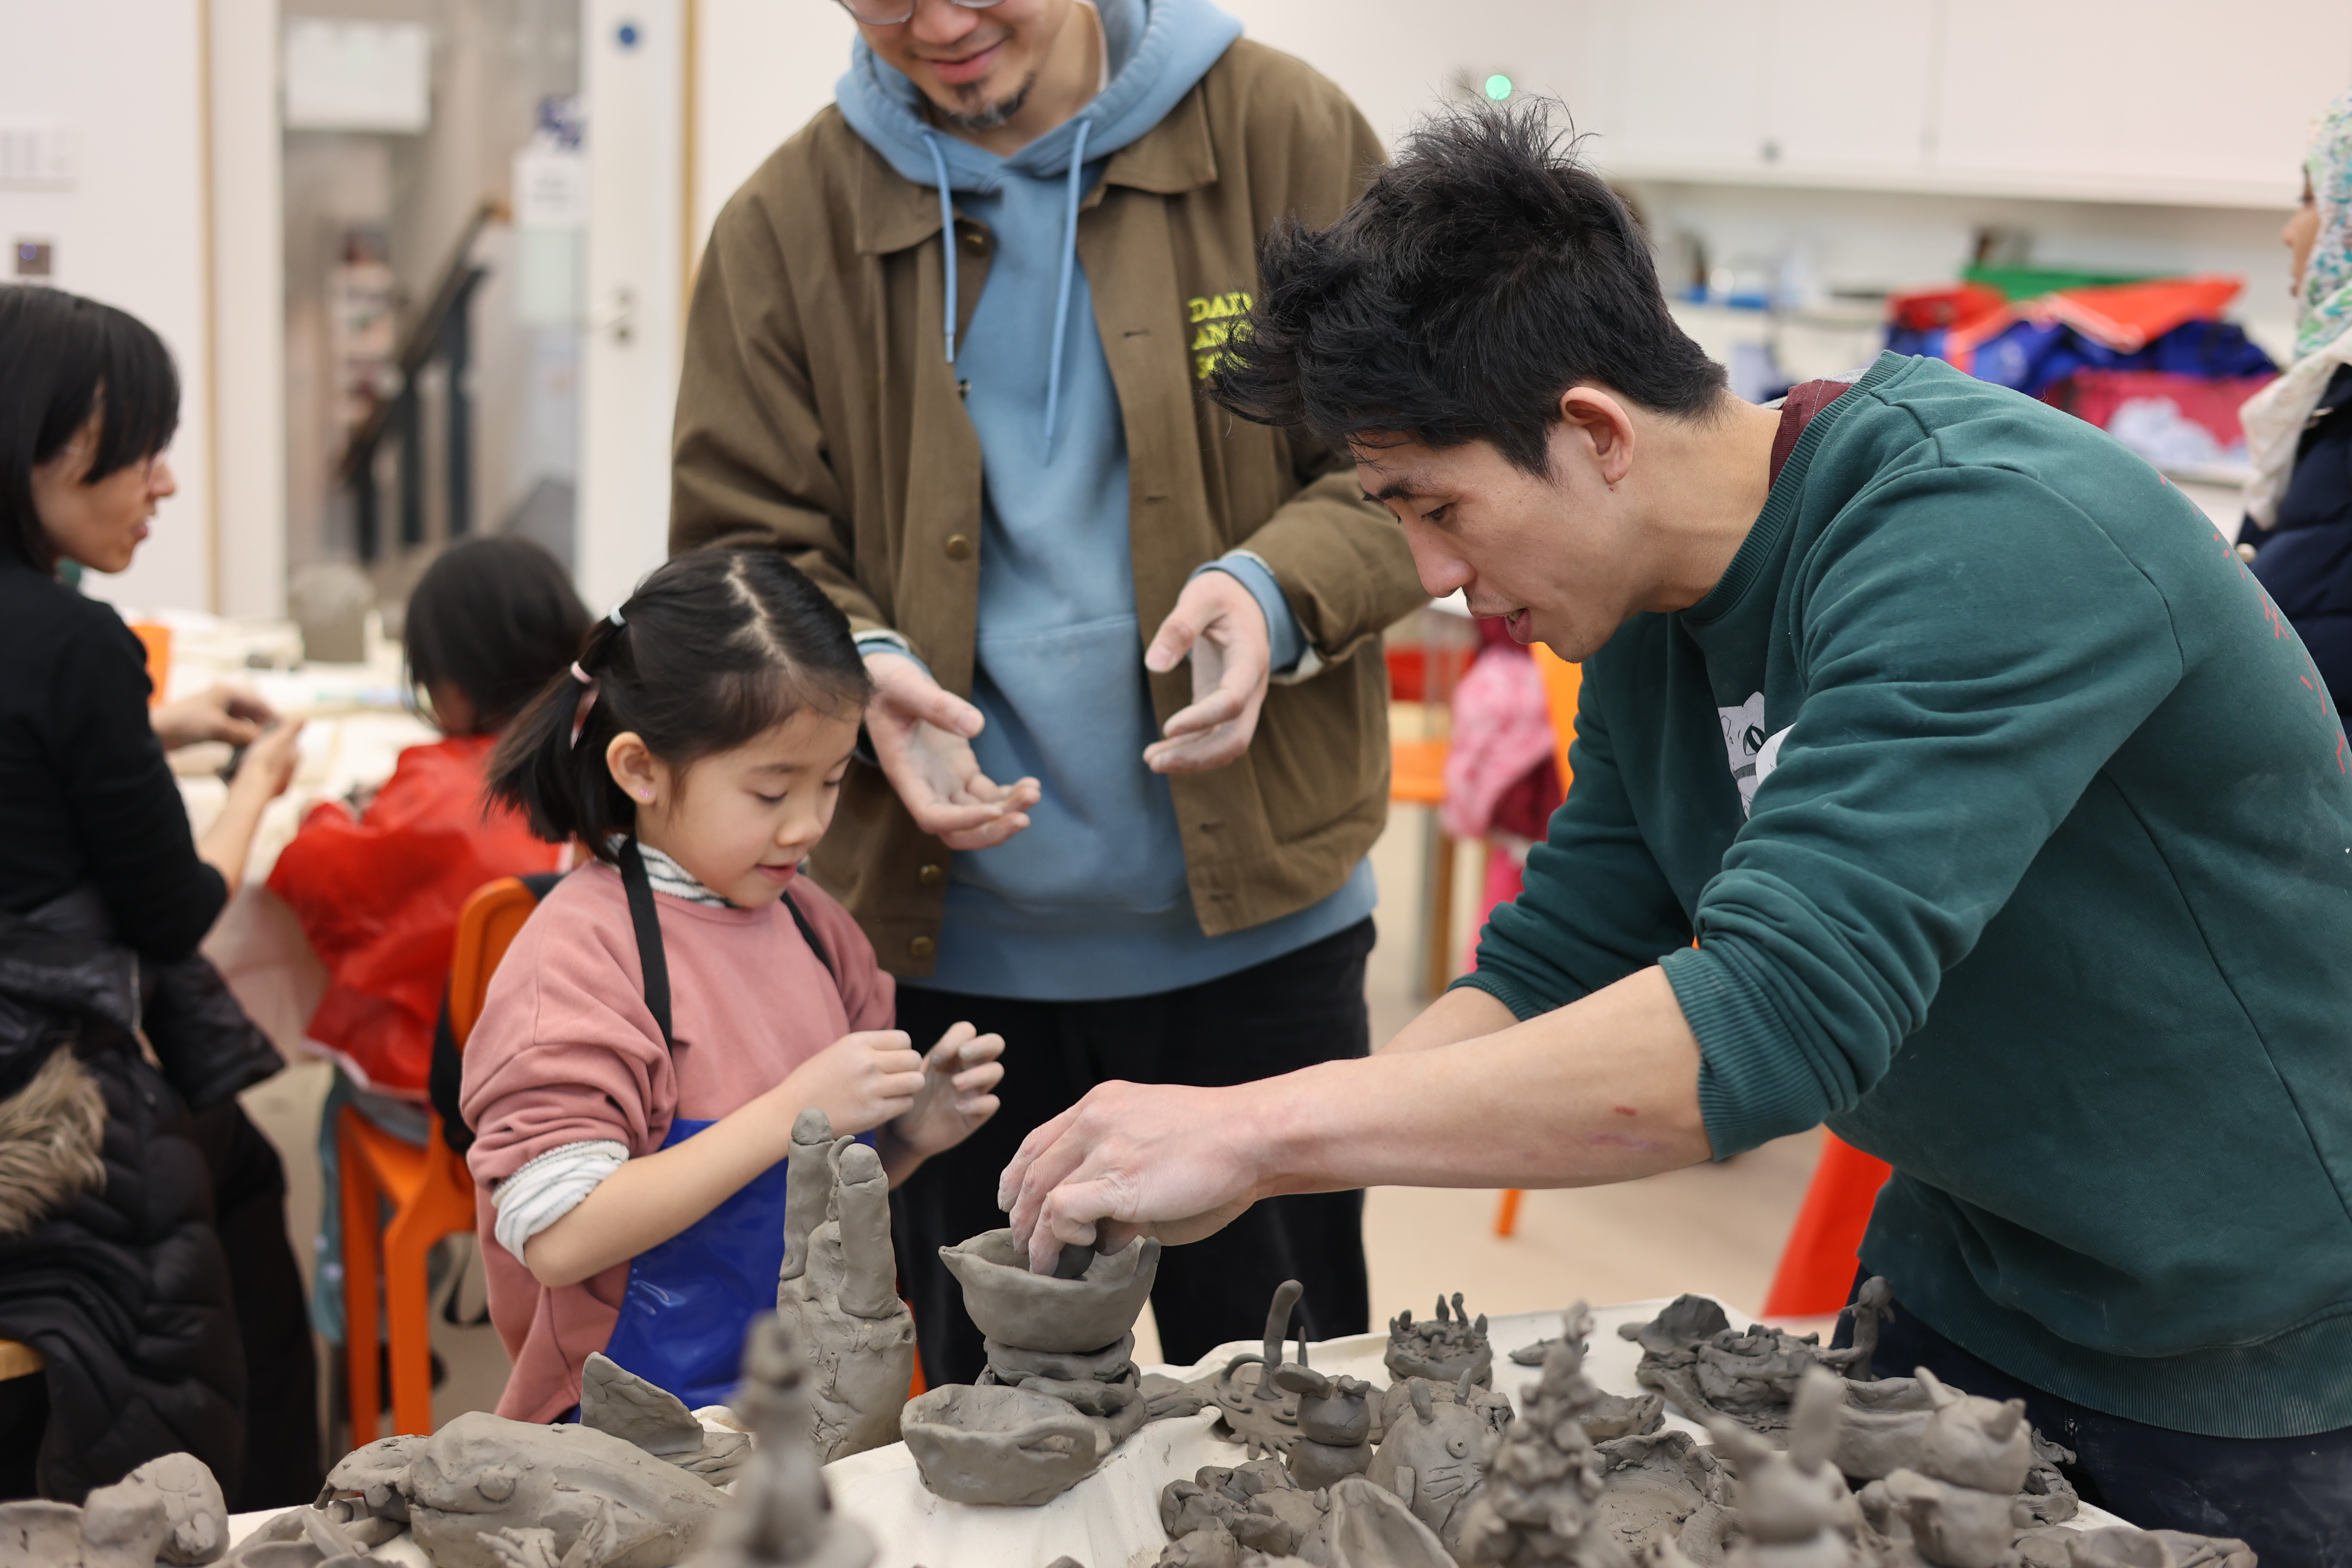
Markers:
(839, 1291)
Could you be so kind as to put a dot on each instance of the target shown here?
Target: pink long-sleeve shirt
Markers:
(567, 1052)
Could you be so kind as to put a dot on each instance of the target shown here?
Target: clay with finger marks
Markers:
(838, 1291)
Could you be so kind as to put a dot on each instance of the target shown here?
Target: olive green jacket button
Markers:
(931, 873)
(922, 947)
(959, 547)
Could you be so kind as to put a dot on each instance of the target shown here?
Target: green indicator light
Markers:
(1498, 87)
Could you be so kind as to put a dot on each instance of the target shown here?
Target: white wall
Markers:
(122, 76)
(249, 307)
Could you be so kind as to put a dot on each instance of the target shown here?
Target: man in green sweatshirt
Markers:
(1941, 775)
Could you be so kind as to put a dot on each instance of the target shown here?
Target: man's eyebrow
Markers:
(1398, 488)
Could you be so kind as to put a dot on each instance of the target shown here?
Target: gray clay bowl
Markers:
(1037, 1312)
(1004, 1446)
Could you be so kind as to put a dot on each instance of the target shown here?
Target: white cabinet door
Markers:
(1689, 85)
(1848, 85)
(2175, 99)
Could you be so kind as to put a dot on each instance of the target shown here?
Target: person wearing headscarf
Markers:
(2298, 530)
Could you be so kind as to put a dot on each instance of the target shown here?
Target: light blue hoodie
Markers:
(1090, 900)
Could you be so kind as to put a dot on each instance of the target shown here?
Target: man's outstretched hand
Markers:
(1219, 622)
(923, 737)
(1130, 1159)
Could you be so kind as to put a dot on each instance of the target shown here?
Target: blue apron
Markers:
(691, 1300)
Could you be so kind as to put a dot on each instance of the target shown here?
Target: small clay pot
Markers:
(999, 1446)
(1038, 1312)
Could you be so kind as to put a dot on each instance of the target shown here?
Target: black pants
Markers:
(2289, 1498)
(1290, 1012)
(281, 1370)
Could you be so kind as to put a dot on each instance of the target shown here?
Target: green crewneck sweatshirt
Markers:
(2014, 827)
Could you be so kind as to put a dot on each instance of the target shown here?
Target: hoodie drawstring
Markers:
(1062, 295)
(947, 238)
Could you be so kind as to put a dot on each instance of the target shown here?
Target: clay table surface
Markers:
(1111, 1519)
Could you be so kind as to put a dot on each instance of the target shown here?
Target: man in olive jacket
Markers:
(1022, 499)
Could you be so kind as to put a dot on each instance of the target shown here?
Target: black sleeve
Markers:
(128, 817)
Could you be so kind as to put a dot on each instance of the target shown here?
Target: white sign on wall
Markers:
(358, 76)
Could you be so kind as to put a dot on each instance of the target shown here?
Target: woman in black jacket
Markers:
(2298, 530)
(142, 1235)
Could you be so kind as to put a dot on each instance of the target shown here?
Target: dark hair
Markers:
(62, 359)
(1481, 275)
(714, 647)
(497, 620)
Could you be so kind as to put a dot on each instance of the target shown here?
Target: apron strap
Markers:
(817, 945)
(652, 957)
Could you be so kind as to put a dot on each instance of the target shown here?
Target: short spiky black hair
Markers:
(1480, 275)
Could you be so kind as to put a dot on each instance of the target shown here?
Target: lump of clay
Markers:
(1223, 1513)
(1955, 1507)
(1441, 1349)
(614, 1400)
(169, 1510)
(1038, 1312)
(782, 1516)
(997, 1445)
(1369, 1527)
(839, 1291)
(2122, 1546)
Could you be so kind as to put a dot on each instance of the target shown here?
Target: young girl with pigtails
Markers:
(671, 1006)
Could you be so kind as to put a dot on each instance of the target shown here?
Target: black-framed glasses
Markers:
(890, 13)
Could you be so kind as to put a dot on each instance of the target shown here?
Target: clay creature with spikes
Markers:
(1443, 1348)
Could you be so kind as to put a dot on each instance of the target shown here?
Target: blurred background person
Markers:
(2298, 530)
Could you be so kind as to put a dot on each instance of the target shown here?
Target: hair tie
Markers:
(582, 676)
(614, 616)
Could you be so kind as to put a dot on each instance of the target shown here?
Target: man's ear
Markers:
(1601, 428)
(640, 773)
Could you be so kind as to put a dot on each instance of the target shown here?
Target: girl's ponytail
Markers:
(550, 763)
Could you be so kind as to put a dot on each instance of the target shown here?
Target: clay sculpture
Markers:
(1954, 1509)
(1060, 1389)
(1691, 1353)
(1589, 1477)
(1432, 1454)
(1441, 1349)
(167, 1510)
(1366, 1526)
(1255, 1410)
(1039, 1312)
(839, 1291)
(1794, 1508)
(1257, 1516)
(782, 1516)
(1335, 1423)
(2121, 1546)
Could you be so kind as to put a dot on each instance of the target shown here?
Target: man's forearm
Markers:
(1604, 1089)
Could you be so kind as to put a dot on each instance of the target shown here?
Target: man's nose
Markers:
(160, 480)
(941, 21)
(1441, 571)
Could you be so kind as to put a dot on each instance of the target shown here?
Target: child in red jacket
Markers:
(378, 890)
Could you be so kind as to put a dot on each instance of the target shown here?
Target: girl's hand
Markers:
(958, 1074)
(859, 1081)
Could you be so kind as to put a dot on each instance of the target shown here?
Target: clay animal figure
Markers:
(839, 1291)
(782, 1516)
(1335, 1423)
(1254, 1409)
(1872, 1305)
(167, 1510)
(2121, 1546)
(1443, 1348)
(481, 1473)
(1790, 1503)
(1956, 1506)
(1039, 1312)
(1431, 1454)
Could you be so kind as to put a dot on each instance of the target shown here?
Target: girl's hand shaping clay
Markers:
(859, 1081)
(1130, 1159)
(958, 1074)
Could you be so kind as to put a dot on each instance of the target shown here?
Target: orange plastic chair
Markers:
(430, 1192)
(1562, 681)
(1818, 1265)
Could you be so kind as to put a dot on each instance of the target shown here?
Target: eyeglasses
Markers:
(890, 13)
